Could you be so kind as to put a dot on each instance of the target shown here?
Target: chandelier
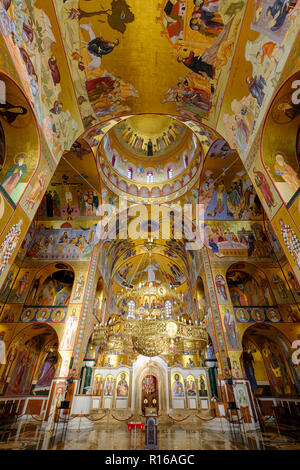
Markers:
(153, 336)
(151, 331)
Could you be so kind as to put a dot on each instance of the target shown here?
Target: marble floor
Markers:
(30, 436)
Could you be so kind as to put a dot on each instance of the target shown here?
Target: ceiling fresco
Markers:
(157, 80)
(280, 151)
(150, 135)
(117, 57)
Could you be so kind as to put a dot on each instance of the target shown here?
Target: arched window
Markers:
(168, 308)
(129, 173)
(170, 173)
(131, 309)
(150, 177)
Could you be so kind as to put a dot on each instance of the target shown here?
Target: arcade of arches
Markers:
(149, 216)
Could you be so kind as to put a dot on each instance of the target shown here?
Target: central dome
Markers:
(150, 135)
(150, 157)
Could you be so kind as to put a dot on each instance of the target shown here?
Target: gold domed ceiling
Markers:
(150, 157)
(149, 135)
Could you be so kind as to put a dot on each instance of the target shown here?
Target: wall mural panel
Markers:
(32, 36)
(238, 239)
(22, 154)
(65, 243)
(262, 59)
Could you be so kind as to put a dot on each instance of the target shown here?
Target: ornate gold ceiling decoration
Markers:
(150, 135)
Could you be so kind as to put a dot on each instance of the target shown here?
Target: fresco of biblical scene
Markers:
(245, 239)
(33, 39)
(265, 54)
(65, 243)
(276, 355)
(22, 375)
(109, 386)
(212, 34)
(33, 194)
(128, 273)
(98, 49)
(78, 288)
(227, 195)
(51, 288)
(177, 385)
(32, 356)
(221, 288)
(21, 154)
(249, 286)
(73, 194)
(280, 141)
(277, 368)
(202, 386)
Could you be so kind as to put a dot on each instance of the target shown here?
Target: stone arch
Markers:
(46, 274)
(18, 152)
(155, 366)
(31, 346)
(259, 292)
(274, 350)
(279, 142)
